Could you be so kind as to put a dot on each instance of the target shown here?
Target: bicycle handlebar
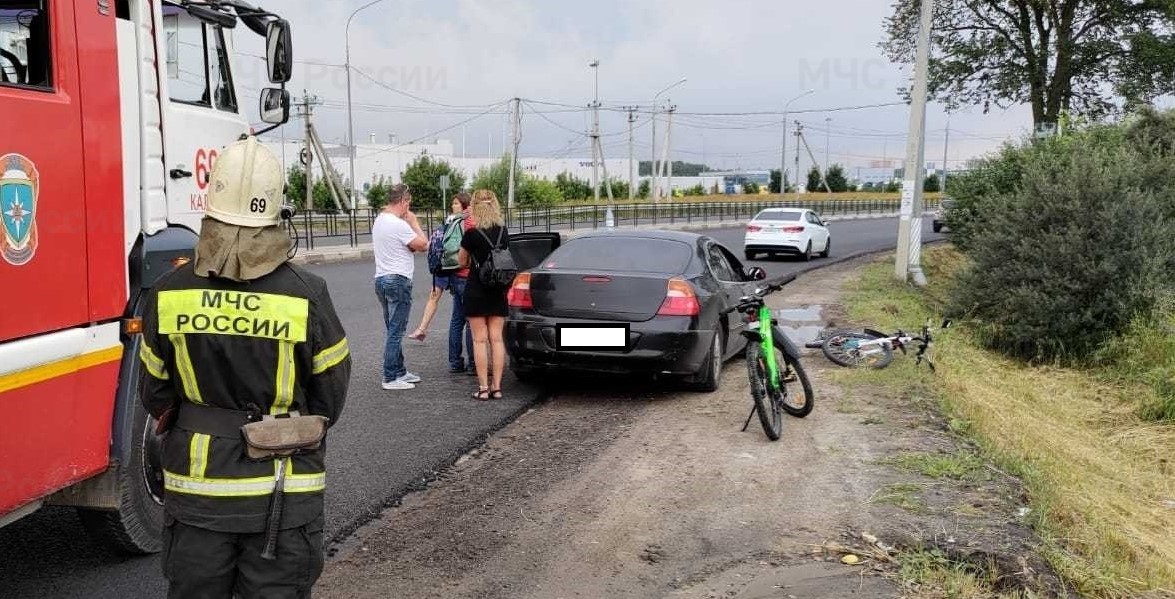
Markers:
(768, 289)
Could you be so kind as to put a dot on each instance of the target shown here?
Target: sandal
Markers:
(496, 394)
(482, 394)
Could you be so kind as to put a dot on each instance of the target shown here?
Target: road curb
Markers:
(365, 252)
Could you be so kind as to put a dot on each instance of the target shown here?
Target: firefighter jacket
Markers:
(268, 346)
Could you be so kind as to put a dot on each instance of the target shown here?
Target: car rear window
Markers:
(779, 215)
(622, 254)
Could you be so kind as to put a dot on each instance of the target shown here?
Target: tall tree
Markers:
(1056, 55)
(814, 180)
(423, 178)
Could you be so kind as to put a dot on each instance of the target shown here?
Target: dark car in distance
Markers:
(626, 302)
(940, 214)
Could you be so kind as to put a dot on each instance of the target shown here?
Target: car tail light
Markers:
(519, 294)
(754, 228)
(794, 229)
(680, 300)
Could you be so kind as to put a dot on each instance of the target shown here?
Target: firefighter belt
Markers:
(271, 437)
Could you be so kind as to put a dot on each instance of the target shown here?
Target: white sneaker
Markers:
(398, 385)
(409, 378)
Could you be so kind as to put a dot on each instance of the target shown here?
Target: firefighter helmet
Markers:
(246, 187)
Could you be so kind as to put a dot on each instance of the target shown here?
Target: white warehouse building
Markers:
(389, 160)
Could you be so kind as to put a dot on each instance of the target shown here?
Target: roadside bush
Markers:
(1069, 251)
(531, 192)
(1146, 353)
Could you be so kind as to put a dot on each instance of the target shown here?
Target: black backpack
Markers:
(498, 270)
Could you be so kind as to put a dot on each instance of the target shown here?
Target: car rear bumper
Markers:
(775, 243)
(663, 345)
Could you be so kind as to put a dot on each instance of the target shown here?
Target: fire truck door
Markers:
(201, 113)
(42, 172)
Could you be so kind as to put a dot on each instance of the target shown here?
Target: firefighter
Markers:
(238, 339)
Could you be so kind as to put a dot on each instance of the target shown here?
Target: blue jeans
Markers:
(395, 296)
(457, 325)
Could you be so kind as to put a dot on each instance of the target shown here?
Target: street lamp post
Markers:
(653, 146)
(350, 119)
(783, 153)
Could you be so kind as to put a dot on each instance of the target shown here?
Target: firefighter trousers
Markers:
(205, 564)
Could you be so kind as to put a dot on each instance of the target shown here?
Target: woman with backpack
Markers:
(485, 293)
(451, 279)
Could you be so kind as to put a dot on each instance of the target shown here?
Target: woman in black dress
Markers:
(485, 309)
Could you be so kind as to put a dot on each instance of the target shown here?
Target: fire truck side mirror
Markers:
(275, 105)
(279, 55)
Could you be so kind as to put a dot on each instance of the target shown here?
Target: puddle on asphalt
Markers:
(801, 325)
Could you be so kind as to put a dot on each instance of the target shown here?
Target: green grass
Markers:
(963, 466)
(902, 495)
(931, 574)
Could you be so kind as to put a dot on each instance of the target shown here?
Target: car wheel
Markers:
(827, 248)
(528, 375)
(707, 380)
(937, 227)
(808, 252)
(136, 527)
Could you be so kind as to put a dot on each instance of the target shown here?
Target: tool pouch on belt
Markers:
(283, 435)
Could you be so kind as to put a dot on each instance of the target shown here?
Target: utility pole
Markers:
(798, 133)
(653, 170)
(783, 153)
(909, 254)
(827, 135)
(595, 135)
(516, 131)
(668, 155)
(945, 147)
(823, 178)
(631, 165)
(308, 151)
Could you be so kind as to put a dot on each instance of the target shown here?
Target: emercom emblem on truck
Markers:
(19, 186)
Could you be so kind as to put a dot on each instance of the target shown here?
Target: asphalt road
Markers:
(387, 443)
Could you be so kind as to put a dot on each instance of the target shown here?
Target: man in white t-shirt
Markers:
(395, 235)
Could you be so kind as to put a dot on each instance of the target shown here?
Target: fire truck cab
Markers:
(112, 113)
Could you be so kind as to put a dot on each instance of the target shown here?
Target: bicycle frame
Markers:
(766, 337)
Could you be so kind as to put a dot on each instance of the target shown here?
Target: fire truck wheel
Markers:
(136, 528)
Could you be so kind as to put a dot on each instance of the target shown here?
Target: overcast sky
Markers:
(739, 56)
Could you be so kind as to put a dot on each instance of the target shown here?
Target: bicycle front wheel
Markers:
(770, 415)
(796, 400)
(844, 350)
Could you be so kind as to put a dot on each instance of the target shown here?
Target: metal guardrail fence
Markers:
(354, 227)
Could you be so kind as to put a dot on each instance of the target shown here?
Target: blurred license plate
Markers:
(601, 337)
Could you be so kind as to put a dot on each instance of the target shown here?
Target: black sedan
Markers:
(626, 302)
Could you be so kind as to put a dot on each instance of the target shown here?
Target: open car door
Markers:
(530, 249)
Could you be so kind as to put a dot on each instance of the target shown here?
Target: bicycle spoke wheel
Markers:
(795, 399)
(844, 350)
(769, 414)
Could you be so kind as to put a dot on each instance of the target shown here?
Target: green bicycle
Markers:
(773, 365)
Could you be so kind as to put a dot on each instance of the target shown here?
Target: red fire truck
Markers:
(111, 116)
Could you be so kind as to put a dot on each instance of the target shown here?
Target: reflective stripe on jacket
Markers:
(273, 345)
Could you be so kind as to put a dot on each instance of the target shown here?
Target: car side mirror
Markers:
(756, 273)
(279, 57)
(275, 106)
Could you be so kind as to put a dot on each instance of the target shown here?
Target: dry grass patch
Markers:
(1101, 490)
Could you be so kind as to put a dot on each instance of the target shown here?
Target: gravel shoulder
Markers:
(632, 491)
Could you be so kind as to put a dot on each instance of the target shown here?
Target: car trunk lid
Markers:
(632, 297)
